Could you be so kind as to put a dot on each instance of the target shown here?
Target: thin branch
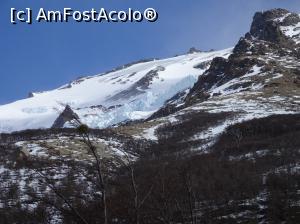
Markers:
(54, 189)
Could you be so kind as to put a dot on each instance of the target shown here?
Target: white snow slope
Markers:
(107, 99)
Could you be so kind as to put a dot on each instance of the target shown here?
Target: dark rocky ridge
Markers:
(265, 27)
(265, 37)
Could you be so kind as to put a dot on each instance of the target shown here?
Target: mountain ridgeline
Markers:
(205, 137)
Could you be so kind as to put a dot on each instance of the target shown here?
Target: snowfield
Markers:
(134, 92)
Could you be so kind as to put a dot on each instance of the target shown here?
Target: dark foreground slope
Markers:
(251, 176)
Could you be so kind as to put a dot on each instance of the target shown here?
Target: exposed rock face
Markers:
(140, 86)
(66, 116)
(221, 71)
(265, 28)
(193, 50)
(262, 47)
(267, 25)
(268, 33)
(203, 65)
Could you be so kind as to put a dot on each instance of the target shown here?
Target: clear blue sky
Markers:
(44, 56)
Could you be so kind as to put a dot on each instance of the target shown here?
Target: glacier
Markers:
(98, 99)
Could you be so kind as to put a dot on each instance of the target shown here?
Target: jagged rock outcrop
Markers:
(265, 27)
(274, 34)
(66, 116)
(193, 50)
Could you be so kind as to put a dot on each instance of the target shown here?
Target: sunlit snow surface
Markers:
(88, 96)
(292, 32)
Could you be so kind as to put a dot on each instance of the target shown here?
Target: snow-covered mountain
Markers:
(220, 143)
(263, 66)
(260, 78)
(132, 92)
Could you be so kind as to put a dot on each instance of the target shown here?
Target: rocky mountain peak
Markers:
(270, 50)
(268, 25)
(276, 30)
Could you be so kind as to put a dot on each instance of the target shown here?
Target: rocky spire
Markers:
(66, 116)
(268, 25)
